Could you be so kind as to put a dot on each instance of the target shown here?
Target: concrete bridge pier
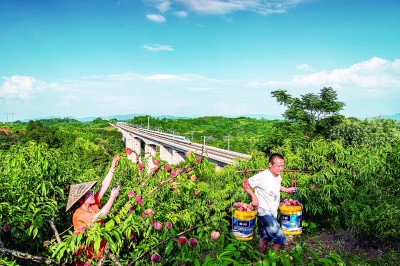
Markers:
(177, 157)
(166, 153)
(150, 151)
(136, 147)
(129, 139)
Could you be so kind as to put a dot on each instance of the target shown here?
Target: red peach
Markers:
(155, 258)
(215, 235)
(182, 240)
(168, 225)
(128, 151)
(192, 242)
(149, 212)
(158, 225)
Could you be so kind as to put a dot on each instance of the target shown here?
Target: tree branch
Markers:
(27, 256)
(57, 235)
(160, 185)
(162, 242)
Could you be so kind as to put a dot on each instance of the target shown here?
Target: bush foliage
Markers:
(353, 186)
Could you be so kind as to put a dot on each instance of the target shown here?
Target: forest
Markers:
(348, 180)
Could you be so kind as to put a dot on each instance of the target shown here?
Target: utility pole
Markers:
(227, 138)
(12, 116)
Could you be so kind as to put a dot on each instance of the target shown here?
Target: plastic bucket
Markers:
(243, 224)
(291, 219)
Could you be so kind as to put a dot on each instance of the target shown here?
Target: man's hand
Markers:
(291, 190)
(255, 203)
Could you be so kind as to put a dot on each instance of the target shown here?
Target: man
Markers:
(266, 199)
(88, 206)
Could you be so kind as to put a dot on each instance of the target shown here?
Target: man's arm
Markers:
(248, 189)
(289, 190)
(107, 180)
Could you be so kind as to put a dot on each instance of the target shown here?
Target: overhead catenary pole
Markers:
(227, 138)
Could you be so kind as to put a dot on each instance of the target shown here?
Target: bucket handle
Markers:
(298, 195)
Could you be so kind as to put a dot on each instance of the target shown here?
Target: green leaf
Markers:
(169, 247)
(326, 262)
(285, 261)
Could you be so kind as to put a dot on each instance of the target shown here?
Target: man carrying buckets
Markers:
(266, 199)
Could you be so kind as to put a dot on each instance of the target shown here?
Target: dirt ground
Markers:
(337, 242)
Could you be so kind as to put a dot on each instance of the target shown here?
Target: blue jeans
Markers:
(270, 230)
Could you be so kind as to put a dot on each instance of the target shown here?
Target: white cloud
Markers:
(156, 17)
(198, 89)
(304, 67)
(180, 14)
(163, 77)
(161, 5)
(375, 77)
(19, 87)
(158, 47)
(218, 7)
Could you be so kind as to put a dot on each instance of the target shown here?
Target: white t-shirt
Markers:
(267, 192)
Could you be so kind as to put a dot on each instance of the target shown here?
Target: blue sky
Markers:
(195, 57)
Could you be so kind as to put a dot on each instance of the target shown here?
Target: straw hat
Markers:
(76, 192)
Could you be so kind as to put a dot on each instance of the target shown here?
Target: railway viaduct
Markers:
(170, 148)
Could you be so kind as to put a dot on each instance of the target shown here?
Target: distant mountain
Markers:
(262, 116)
(394, 117)
(117, 117)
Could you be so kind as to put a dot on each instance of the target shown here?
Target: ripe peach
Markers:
(155, 258)
(6, 228)
(140, 166)
(196, 192)
(155, 161)
(158, 225)
(168, 225)
(167, 168)
(215, 235)
(182, 240)
(128, 151)
(192, 242)
(193, 178)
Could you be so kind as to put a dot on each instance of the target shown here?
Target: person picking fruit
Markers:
(266, 200)
(86, 206)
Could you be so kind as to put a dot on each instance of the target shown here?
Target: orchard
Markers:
(182, 214)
